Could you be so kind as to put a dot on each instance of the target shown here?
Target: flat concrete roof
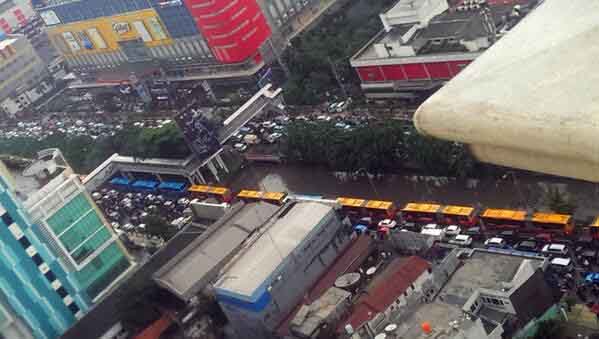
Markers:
(197, 265)
(483, 270)
(273, 245)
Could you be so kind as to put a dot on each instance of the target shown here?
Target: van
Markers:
(555, 250)
(562, 264)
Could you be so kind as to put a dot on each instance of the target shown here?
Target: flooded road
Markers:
(511, 191)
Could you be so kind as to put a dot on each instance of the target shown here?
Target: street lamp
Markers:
(376, 192)
(516, 183)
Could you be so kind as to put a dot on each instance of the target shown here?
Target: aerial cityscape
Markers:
(299, 169)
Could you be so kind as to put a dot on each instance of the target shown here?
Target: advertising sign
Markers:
(142, 31)
(157, 29)
(71, 41)
(50, 18)
(96, 38)
(121, 28)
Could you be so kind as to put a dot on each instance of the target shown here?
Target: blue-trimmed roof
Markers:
(172, 185)
(120, 181)
(148, 184)
(256, 306)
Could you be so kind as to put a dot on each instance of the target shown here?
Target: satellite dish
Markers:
(348, 280)
(371, 271)
(390, 328)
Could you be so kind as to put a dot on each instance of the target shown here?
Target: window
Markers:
(37, 259)
(62, 292)
(50, 276)
(74, 308)
(7, 219)
(24, 242)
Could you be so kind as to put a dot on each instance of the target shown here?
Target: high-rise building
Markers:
(58, 254)
(37, 299)
(214, 42)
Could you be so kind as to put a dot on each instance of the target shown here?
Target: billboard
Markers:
(109, 32)
(199, 133)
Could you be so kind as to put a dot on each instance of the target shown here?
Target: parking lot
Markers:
(127, 212)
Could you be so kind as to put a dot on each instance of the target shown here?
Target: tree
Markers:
(558, 201)
(158, 226)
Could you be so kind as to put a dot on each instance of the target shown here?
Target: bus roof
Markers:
(458, 210)
(278, 196)
(425, 208)
(351, 202)
(551, 218)
(504, 214)
(248, 194)
(379, 205)
(199, 188)
(218, 190)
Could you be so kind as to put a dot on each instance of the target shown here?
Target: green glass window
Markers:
(81, 231)
(91, 245)
(69, 213)
(103, 270)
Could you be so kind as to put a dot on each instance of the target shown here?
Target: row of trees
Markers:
(85, 153)
(377, 148)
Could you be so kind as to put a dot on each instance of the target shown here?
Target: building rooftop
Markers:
(484, 269)
(271, 247)
(444, 32)
(348, 261)
(195, 266)
(397, 277)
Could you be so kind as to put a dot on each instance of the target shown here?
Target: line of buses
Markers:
(490, 220)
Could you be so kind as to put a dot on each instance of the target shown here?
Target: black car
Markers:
(509, 235)
(475, 232)
(527, 246)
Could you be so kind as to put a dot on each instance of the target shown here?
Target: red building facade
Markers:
(417, 71)
(234, 29)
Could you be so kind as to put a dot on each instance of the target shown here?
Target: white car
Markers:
(555, 249)
(461, 240)
(495, 243)
(430, 227)
(387, 223)
(562, 264)
(240, 147)
(452, 230)
(273, 137)
(268, 124)
(324, 118)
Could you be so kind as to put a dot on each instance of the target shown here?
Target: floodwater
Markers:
(513, 190)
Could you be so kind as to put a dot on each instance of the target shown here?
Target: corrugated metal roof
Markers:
(257, 262)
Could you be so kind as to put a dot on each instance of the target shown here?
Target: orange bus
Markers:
(552, 223)
(275, 197)
(503, 219)
(352, 206)
(420, 213)
(594, 229)
(272, 197)
(380, 209)
(204, 191)
(459, 215)
(249, 195)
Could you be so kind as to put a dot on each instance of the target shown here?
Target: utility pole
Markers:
(337, 77)
(277, 55)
